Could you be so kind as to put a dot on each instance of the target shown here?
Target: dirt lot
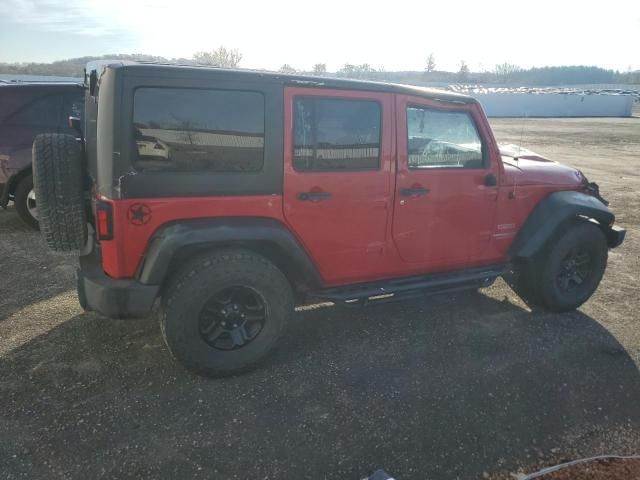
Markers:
(452, 387)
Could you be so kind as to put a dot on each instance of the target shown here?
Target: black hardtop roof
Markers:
(289, 79)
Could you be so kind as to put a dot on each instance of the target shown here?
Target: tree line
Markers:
(502, 74)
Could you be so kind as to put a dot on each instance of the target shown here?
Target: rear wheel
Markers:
(225, 311)
(24, 198)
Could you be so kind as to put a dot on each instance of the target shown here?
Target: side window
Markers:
(441, 139)
(198, 130)
(332, 134)
(42, 112)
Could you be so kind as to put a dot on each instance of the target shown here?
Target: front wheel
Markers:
(224, 311)
(574, 267)
(569, 269)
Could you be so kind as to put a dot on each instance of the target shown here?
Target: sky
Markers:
(394, 35)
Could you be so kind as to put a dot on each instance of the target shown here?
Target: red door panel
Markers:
(341, 217)
(443, 217)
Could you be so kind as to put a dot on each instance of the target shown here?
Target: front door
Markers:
(337, 178)
(446, 193)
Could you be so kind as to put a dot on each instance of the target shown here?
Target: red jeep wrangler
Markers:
(227, 197)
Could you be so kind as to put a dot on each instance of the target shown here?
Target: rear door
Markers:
(338, 182)
(446, 193)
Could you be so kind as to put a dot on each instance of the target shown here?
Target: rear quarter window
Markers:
(198, 130)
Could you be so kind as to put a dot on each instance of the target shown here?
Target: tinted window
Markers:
(42, 112)
(335, 134)
(439, 139)
(198, 130)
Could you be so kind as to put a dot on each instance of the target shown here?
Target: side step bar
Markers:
(396, 289)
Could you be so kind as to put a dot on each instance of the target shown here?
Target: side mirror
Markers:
(490, 180)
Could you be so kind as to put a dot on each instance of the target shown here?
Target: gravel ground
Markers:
(453, 387)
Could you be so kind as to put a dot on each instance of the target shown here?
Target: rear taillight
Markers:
(104, 221)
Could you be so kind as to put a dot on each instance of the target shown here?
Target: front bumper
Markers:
(615, 236)
(113, 298)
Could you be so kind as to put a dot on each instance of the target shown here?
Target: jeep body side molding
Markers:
(552, 212)
(269, 237)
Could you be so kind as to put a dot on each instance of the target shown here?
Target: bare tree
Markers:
(505, 71)
(320, 69)
(286, 68)
(431, 63)
(363, 70)
(463, 73)
(186, 128)
(347, 70)
(220, 57)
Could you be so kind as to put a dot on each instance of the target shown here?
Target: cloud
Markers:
(66, 16)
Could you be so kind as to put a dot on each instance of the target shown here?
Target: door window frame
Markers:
(486, 164)
(468, 113)
(387, 147)
(332, 97)
(404, 101)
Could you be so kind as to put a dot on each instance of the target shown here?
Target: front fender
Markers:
(553, 211)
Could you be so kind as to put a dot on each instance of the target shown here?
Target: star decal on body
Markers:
(139, 214)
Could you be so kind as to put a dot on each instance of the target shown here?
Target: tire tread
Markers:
(221, 263)
(58, 183)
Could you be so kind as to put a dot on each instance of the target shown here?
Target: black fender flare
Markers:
(175, 241)
(552, 212)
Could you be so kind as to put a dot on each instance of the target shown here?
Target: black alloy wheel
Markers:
(575, 269)
(233, 318)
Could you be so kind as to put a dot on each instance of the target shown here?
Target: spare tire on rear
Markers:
(59, 186)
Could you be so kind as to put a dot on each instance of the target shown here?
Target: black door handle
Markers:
(414, 191)
(313, 196)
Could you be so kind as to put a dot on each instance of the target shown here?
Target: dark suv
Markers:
(26, 110)
(227, 197)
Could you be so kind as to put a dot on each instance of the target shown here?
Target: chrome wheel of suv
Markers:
(31, 204)
(24, 198)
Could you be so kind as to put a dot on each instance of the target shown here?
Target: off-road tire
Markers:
(58, 180)
(588, 237)
(191, 287)
(536, 281)
(20, 200)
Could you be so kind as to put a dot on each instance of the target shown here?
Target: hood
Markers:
(524, 167)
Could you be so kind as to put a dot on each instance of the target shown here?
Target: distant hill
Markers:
(542, 76)
(74, 67)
